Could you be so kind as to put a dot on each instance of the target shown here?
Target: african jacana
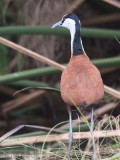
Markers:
(81, 82)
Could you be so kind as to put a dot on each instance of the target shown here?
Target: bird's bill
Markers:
(56, 24)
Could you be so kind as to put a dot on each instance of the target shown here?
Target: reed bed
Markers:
(29, 80)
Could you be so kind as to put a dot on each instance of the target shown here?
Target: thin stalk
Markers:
(114, 3)
(85, 32)
(77, 128)
(27, 74)
(61, 137)
(28, 83)
(37, 133)
(107, 62)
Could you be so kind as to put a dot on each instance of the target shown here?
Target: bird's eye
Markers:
(63, 20)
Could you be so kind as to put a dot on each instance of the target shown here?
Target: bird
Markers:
(81, 83)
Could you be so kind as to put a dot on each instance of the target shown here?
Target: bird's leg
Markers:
(91, 130)
(70, 132)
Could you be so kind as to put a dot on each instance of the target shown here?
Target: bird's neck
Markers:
(76, 42)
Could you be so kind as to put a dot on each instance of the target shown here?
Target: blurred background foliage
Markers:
(46, 108)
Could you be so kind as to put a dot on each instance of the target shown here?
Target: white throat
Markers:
(70, 24)
(72, 33)
(76, 45)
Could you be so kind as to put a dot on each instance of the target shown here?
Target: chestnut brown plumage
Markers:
(81, 82)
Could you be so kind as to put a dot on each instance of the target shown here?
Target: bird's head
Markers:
(69, 21)
(72, 22)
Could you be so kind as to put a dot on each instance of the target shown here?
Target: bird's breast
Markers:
(81, 82)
